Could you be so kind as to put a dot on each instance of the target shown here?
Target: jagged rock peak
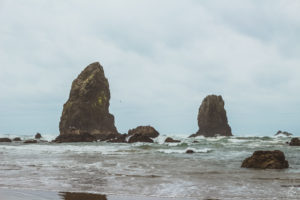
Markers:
(87, 109)
(212, 118)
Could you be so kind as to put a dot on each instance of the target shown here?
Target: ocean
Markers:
(152, 170)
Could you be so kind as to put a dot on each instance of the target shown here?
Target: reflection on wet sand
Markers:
(81, 196)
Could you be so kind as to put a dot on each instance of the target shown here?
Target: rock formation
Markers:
(171, 140)
(189, 151)
(142, 134)
(295, 142)
(212, 119)
(266, 160)
(38, 136)
(5, 140)
(283, 133)
(86, 113)
(17, 139)
(30, 141)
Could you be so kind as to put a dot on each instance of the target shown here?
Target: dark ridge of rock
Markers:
(38, 136)
(266, 160)
(81, 196)
(81, 137)
(212, 118)
(171, 140)
(118, 139)
(295, 142)
(17, 139)
(138, 137)
(190, 151)
(147, 131)
(30, 141)
(5, 140)
(87, 109)
(283, 133)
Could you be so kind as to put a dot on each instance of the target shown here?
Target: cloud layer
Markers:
(161, 59)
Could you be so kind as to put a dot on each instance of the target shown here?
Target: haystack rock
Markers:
(212, 119)
(86, 113)
(266, 160)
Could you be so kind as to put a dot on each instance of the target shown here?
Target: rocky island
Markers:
(212, 118)
(85, 116)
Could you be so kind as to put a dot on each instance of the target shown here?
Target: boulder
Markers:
(283, 133)
(190, 151)
(147, 131)
(82, 137)
(5, 140)
(171, 140)
(87, 109)
(30, 141)
(266, 160)
(212, 118)
(17, 139)
(38, 136)
(295, 142)
(138, 137)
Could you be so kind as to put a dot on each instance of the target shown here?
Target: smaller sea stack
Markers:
(212, 118)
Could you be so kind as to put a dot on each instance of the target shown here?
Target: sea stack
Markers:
(86, 113)
(212, 119)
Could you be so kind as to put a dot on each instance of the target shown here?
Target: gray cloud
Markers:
(161, 59)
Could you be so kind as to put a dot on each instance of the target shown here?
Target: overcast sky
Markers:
(161, 59)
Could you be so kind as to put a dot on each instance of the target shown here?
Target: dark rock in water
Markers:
(295, 142)
(81, 196)
(31, 141)
(171, 140)
(81, 137)
(283, 133)
(212, 119)
(138, 137)
(190, 151)
(87, 109)
(266, 160)
(147, 131)
(5, 140)
(38, 136)
(118, 139)
(17, 139)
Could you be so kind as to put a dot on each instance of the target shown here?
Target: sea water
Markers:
(159, 169)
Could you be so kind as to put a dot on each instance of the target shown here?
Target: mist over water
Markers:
(158, 169)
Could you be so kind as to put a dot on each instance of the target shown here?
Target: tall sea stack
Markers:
(87, 110)
(212, 119)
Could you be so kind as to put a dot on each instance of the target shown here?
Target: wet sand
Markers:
(18, 194)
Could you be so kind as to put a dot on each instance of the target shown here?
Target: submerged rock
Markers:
(17, 139)
(266, 160)
(87, 109)
(212, 118)
(38, 136)
(30, 141)
(190, 151)
(171, 140)
(118, 139)
(5, 140)
(283, 133)
(295, 142)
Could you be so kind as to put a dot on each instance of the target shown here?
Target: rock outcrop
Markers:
(38, 136)
(295, 142)
(189, 151)
(171, 140)
(87, 110)
(5, 140)
(30, 141)
(266, 160)
(212, 119)
(142, 134)
(283, 133)
(17, 139)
